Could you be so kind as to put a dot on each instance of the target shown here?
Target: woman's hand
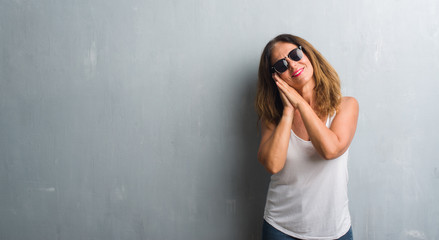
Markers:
(288, 94)
(288, 108)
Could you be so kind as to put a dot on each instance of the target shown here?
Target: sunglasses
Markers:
(282, 65)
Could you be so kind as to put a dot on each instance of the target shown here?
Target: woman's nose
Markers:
(291, 63)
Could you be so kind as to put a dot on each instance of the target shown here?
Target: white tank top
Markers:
(308, 198)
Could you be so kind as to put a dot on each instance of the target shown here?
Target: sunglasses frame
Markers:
(273, 69)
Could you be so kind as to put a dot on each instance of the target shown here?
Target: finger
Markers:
(277, 76)
(281, 84)
(281, 81)
(280, 87)
(285, 89)
(274, 77)
(285, 100)
(282, 94)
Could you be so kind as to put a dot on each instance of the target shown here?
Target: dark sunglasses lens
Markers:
(296, 54)
(281, 66)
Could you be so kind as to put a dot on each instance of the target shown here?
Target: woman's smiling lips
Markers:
(298, 72)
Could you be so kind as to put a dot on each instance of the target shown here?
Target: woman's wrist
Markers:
(288, 112)
(300, 105)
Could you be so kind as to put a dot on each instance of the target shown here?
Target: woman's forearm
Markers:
(324, 140)
(273, 153)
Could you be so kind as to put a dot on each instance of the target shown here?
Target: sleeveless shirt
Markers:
(308, 198)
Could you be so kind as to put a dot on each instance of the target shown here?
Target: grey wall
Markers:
(134, 119)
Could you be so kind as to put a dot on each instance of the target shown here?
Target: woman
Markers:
(306, 130)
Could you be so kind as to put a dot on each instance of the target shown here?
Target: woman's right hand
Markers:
(288, 107)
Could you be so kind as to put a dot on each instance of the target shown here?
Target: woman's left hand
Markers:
(292, 95)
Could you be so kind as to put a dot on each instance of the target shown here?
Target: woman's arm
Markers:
(334, 141)
(331, 142)
(273, 147)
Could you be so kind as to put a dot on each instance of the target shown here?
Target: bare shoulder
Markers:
(344, 124)
(349, 104)
(347, 112)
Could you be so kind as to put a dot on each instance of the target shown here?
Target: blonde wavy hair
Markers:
(327, 93)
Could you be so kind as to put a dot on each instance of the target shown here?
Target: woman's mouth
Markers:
(298, 72)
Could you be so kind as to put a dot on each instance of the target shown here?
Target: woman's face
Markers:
(298, 73)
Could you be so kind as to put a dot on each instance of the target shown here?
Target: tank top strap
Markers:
(330, 119)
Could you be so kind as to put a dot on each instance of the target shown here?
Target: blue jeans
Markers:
(271, 233)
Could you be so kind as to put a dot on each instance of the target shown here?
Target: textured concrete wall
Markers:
(134, 119)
